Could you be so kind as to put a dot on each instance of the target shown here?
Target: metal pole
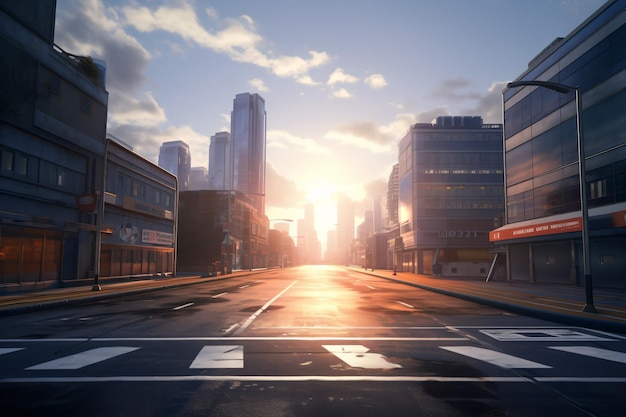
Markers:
(589, 306)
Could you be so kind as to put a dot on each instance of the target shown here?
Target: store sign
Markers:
(156, 237)
(458, 233)
(541, 229)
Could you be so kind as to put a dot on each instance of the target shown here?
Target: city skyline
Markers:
(338, 101)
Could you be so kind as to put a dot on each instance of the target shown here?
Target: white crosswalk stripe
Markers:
(496, 358)
(225, 356)
(594, 352)
(80, 360)
(4, 351)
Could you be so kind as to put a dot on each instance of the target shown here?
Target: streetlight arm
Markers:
(561, 88)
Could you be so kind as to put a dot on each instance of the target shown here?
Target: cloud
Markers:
(376, 81)
(258, 84)
(340, 77)
(489, 105)
(146, 141)
(91, 29)
(285, 140)
(454, 90)
(342, 93)
(281, 192)
(237, 38)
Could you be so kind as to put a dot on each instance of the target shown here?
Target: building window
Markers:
(14, 162)
(598, 189)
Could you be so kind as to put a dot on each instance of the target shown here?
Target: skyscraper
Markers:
(175, 157)
(247, 148)
(219, 161)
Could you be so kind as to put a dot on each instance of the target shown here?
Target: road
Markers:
(306, 341)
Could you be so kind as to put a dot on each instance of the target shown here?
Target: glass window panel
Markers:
(518, 163)
(547, 151)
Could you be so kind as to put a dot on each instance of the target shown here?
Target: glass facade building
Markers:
(247, 148)
(450, 189)
(542, 234)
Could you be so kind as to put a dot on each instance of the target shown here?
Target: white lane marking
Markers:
(219, 295)
(582, 379)
(183, 306)
(405, 304)
(227, 356)
(594, 352)
(541, 335)
(370, 287)
(244, 286)
(286, 378)
(230, 329)
(496, 358)
(272, 338)
(4, 351)
(357, 356)
(248, 322)
(80, 360)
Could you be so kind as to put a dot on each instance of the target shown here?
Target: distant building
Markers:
(450, 190)
(392, 197)
(345, 231)
(138, 225)
(220, 231)
(198, 179)
(219, 161)
(175, 157)
(541, 234)
(53, 113)
(247, 148)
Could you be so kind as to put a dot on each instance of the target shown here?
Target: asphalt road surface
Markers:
(306, 341)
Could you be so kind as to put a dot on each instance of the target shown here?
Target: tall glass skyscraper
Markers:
(219, 161)
(175, 157)
(247, 148)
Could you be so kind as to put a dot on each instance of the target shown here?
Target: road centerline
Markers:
(253, 317)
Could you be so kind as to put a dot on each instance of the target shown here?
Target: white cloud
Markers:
(258, 84)
(376, 81)
(339, 76)
(342, 93)
(285, 140)
(143, 111)
(238, 38)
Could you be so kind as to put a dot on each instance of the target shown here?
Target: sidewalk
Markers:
(560, 303)
(563, 304)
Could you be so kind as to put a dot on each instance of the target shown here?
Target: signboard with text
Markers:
(573, 224)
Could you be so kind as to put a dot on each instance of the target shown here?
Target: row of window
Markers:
(452, 204)
(463, 171)
(440, 190)
(468, 158)
(18, 165)
(463, 137)
(141, 190)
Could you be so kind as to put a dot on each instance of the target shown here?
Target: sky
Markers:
(343, 80)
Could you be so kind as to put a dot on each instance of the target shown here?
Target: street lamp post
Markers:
(564, 89)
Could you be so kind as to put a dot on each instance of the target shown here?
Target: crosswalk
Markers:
(232, 356)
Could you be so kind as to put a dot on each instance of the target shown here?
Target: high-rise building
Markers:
(247, 148)
(175, 157)
(451, 188)
(219, 161)
(543, 223)
(198, 179)
(345, 230)
(392, 196)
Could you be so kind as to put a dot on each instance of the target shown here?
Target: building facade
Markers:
(248, 148)
(543, 222)
(450, 189)
(138, 227)
(220, 231)
(219, 161)
(175, 157)
(53, 112)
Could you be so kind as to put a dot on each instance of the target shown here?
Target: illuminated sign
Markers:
(541, 229)
(156, 237)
